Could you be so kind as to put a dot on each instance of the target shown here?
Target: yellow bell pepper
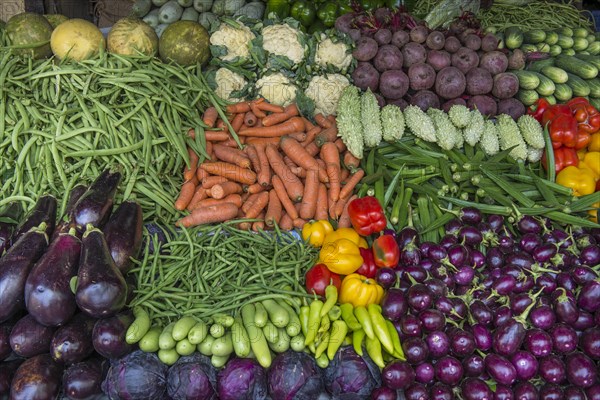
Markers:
(591, 160)
(359, 290)
(594, 212)
(315, 232)
(341, 256)
(346, 233)
(594, 144)
(580, 180)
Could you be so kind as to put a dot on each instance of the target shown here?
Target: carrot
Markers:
(249, 119)
(190, 171)
(331, 156)
(210, 116)
(338, 208)
(274, 209)
(258, 226)
(211, 181)
(209, 201)
(216, 136)
(298, 154)
(279, 117)
(230, 143)
(299, 172)
(257, 111)
(299, 136)
(220, 124)
(321, 211)
(231, 155)
(245, 197)
(322, 121)
(186, 194)
(249, 202)
(238, 108)
(312, 149)
(221, 190)
(210, 214)
(293, 185)
(288, 161)
(299, 223)
(311, 134)
(351, 162)
(339, 143)
(327, 135)
(201, 174)
(272, 108)
(237, 122)
(307, 124)
(286, 223)
(344, 220)
(311, 194)
(344, 175)
(351, 183)
(262, 141)
(253, 156)
(199, 195)
(230, 171)
(279, 188)
(264, 172)
(261, 202)
(210, 152)
(254, 188)
(294, 124)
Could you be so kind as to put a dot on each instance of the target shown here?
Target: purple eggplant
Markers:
(5, 349)
(584, 321)
(419, 297)
(581, 370)
(589, 296)
(28, 338)
(123, 233)
(394, 304)
(590, 255)
(438, 343)
(108, 336)
(398, 375)
(574, 393)
(406, 236)
(525, 391)
(593, 392)
(72, 343)
(475, 389)
(38, 378)
(48, 296)
(565, 307)
(82, 381)
(552, 369)
(542, 317)
(416, 391)
(415, 349)
(589, 342)
(470, 215)
(564, 338)
(473, 365)
(14, 269)
(95, 205)
(508, 337)
(500, 369)
(482, 336)
(439, 391)
(526, 365)
(424, 373)
(74, 196)
(101, 290)
(448, 370)
(538, 342)
(462, 343)
(44, 212)
(583, 274)
(384, 393)
(9, 218)
(410, 325)
(7, 371)
(551, 391)
(432, 320)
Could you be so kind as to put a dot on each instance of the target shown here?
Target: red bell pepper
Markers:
(598, 185)
(319, 277)
(575, 101)
(537, 110)
(368, 267)
(563, 131)
(583, 139)
(554, 111)
(386, 251)
(563, 157)
(366, 215)
(587, 117)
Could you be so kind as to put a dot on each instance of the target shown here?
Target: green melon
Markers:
(132, 36)
(29, 34)
(184, 42)
(56, 19)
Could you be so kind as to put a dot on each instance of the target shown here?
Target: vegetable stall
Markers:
(301, 200)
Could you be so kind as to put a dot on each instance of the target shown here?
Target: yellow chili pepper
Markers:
(315, 232)
(580, 180)
(341, 256)
(591, 160)
(359, 290)
(594, 144)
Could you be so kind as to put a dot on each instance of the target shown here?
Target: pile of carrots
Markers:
(288, 172)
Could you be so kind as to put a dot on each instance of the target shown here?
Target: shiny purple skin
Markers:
(590, 255)
(470, 235)
(502, 315)
(37, 378)
(398, 375)
(506, 244)
(551, 392)
(416, 391)
(564, 280)
(439, 391)
(503, 393)
(415, 349)
(476, 258)
(393, 304)
(386, 277)
(453, 226)
(574, 393)
(565, 308)
(448, 241)
(470, 215)
(419, 297)
(529, 242)
(95, 205)
(464, 276)
(448, 370)
(582, 274)
(462, 343)
(438, 343)
(519, 302)
(564, 338)
(589, 296)
(443, 304)
(542, 317)
(482, 337)
(123, 233)
(544, 253)
(525, 283)
(547, 282)
(11, 213)
(552, 369)
(481, 312)
(437, 287)
(585, 321)
(459, 308)
(508, 337)
(383, 393)
(28, 338)
(529, 224)
(437, 252)
(500, 369)
(581, 370)
(589, 342)
(7, 371)
(593, 392)
(5, 349)
(83, 381)
(43, 211)
(407, 235)
(494, 258)
(424, 373)
(495, 221)
(525, 391)
(410, 325)
(538, 342)
(457, 255)
(424, 248)
(504, 285)
(475, 389)
(519, 260)
(473, 365)
(410, 255)
(108, 336)
(432, 320)
(526, 365)
(417, 273)
(72, 343)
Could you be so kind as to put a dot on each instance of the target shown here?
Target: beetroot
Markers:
(485, 104)
(366, 49)
(425, 99)
(393, 84)
(494, 61)
(479, 81)
(413, 53)
(450, 83)
(388, 57)
(421, 76)
(465, 59)
(439, 59)
(365, 76)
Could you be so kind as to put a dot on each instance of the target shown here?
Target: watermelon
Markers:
(56, 19)
(185, 43)
(29, 34)
(132, 36)
(77, 39)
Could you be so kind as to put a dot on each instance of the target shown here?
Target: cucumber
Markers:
(185, 348)
(258, 343)
(151, 18)
(546, 86)
(594, 85)
(168, 357)
(585, 52)
(566, 31)
(594, 48)
(595, 61)
(139, 327)
(538, 65)
(568, 52)
(591, 38)
(190, 14)
(529, 47)
(141, 7)
(183, 327)
(550, 99)
(580, 44)
(579, 86)
(558, 75)
(198, 332)
(149, 343)
(563, 92)
(576, 66)
(170, 12)
(277, 314)
(551, 38)
(217, 330)
(534, 36)
(260, 316)
(555, 50)
(219, 361)
(222, 346)
(595, 101)
(580, 32)
(205, 347)
(271, 332)
(566, 42)
(527, 97)
(543, 47)
(241, 341)
(513, 37)
(165, 340)
(527, 79)
(185, 3)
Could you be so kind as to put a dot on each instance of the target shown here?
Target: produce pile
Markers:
(320, 201)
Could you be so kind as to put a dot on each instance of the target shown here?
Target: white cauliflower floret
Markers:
(227, 82)
(336, 54)
(235, 40)
(325, 91)
(283, 40)
(277, 89)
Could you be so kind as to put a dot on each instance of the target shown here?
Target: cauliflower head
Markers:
(228, 82)
(337, 54)
(277, 89)
(283, 40)
(326, 91)
(235, 40)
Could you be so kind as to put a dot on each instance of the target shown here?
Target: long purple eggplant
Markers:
(101, 290)
(9, 218)
(7, 371)
(108, 336)
(14, 269)
(123, 233)
(65, 225)
(74, 196)
(37, 378)
(72, 343)
(28, 338)
(95, 205)
(48, 295)
(44, 211)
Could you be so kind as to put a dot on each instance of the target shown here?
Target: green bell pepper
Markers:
(327, 13)
(304, 12)
(279, 8)
(317, 26)
(345, 7)
(371, 5)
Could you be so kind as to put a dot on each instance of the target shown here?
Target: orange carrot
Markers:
(237, 122)
(231, 155)
(351, 162)
(286, 223)
(249, 119)
(293, 185)
(331, 118)
(294, 124)
(279, 188)
(339, 143)
(307, 124)
(245, 196)
(346, 191)
(230, 142)
(257, 111)
(327, 135)
(321, 211)
(298, 154)
(221, 190)
(190, 171)
(210, 214)
(254, 188)
(311, 194)
(210, 152)
(210, 116)
(253, 156)
(299, 223)
(299, 172)
(230, 171)
(220, 124)
(264, 172)
(238, 108)
(258, 226)
(322, 121)
(201, 174)
(261, 202)
(331, 156)
(311, 134)
(249, 202)
(216, 136)
(279, 117)
(339, 207)
(299, 136)
(262, 141)
(344, 220)
(211, 181)
(312, 149)
(344, 175)
(199, 195)
(186, 194)
(272, 108)
(274, 209)
(288, 161)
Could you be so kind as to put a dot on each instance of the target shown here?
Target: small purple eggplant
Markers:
(581, 370)
(7, 371)
(83, 381)
(552, 369)
(589, 296)
(108, 336)
(500, 369)
(37, 378)
(95, 205)
(72, 343)
(28, 338)
(123, 233)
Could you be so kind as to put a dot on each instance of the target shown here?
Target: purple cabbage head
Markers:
(350, 376)
(137, 376)
(294, 376)
(192, 377)
(242, 379)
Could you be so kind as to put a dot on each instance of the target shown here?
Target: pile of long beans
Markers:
(421, 184)
(62, 123)
(218, 269)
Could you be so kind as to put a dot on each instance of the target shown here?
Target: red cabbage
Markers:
(242, 379)
(192, 377)
(294, 376)
(137, 376)
(349, 375)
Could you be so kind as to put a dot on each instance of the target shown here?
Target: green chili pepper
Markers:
(380, 328)
(325, 324)
(362, 315)
(322, 346)
(335, 313)
(398, 351)
(304, 311)
(348, 317)
(314, 321)
(304, 12)
(339, 329)
(331, 296)
(374, 350)
(327, 13)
